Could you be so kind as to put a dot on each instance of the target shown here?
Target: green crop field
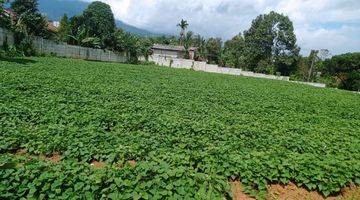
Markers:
(165, 133)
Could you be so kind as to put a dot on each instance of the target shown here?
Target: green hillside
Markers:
(161, 133)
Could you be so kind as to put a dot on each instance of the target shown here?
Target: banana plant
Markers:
(81, 38)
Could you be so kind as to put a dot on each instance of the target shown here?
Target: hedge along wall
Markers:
(65, 50)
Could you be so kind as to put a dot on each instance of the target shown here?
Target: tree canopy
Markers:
(233, 52)
(346, 68)
(64, 29)
(183, 26)
(29, 19)
(100, 22)
(271, 40)
(4, 19)
(22, 6)
(213, 50)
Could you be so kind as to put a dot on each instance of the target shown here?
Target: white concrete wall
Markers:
(203, 66)
(7, 36)
(65, 50)
(71, 51)
(212, 68)
(199, 66)
(182, 63)
(320, 85)
(166, 53)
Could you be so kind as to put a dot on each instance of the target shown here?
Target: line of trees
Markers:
(4, 19)
(269, 46)
(26, 22)
(96, 28)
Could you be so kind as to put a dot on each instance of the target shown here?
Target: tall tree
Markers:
(213, 50)
(22, 6)
(100, 22)
(76, 28)
(200, 44)
(345, 69)
(64, 29)
(271, 41)
(133, 45)
(233, 52)
(29, 18)
(5, 20)
(188, 42)
(314, 58)
(183, 26)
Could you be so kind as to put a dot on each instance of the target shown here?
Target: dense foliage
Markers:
(29, 19)
(189, 132)
(64, 30)
(25, 21)
(213, 50)
(271, 43)
(4, 19)
(346, 69)
(100, 22)
(234, 53)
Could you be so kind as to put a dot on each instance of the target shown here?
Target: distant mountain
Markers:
(55, 9)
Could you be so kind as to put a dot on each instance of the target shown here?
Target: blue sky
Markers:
(320, 24)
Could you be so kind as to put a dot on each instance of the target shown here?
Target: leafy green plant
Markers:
(188, 132)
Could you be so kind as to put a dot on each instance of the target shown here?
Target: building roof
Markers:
(168, 47)
(50, 26)
(10, 12)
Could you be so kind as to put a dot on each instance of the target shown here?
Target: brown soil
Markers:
(55, 158)
(132, 163)
(21, 152)
(350, 193)
(97, 164)
(292, 192)
(237, 191)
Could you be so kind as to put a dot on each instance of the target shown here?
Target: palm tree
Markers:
(200, 43)
(183, 25)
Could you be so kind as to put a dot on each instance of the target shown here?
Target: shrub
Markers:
(346, 69)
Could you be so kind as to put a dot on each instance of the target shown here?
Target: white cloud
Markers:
(331, 24)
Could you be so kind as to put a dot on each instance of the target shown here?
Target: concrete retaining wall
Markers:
(7, 36)
(71, 51)
(320, 85)
(203, 66)
(65, 50)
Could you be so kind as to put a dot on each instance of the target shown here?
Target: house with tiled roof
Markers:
(51, 26)
(171, 51)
